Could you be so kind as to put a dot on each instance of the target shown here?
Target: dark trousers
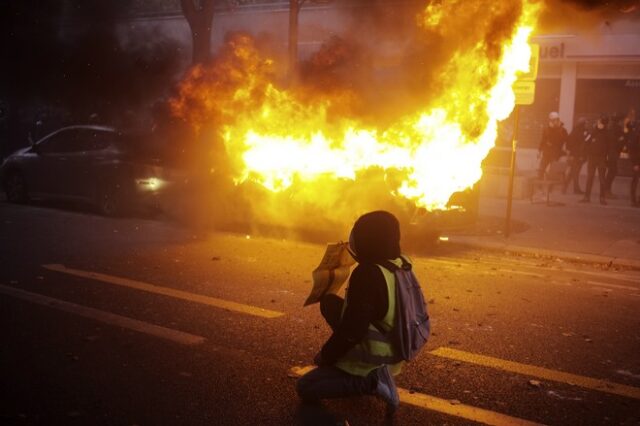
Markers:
(634, 185)
(594, 165)
(612, 172)
(573, 175)
(544, 164)
(326, 382)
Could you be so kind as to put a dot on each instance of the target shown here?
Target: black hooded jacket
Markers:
(599, 146)
(375, 237)
(553, 139)
(633, 146)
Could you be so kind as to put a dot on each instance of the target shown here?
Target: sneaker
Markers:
(584, 200)
(386, 388)
(578, 191)
(603, 201)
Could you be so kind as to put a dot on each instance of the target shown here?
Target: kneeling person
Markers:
(358, 358)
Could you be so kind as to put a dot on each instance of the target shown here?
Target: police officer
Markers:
(597, 149)
(619, 136)
(633, 148)
(576, 143)
(554, 136)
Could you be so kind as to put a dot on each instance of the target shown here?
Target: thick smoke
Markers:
(586, 15)
(610, 6)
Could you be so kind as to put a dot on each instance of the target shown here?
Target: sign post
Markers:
(524, 89)
(512, 172)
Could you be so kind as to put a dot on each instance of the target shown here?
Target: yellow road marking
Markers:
(165, 291)
(105, 317)
(543, 373)
(433, 403)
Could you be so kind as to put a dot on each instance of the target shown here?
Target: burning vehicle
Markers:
(306, 152)
(114, 171)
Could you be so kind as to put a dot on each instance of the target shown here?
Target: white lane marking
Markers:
(605, 289)
(531, 274)
(105, 317)
(610, 275)
(449, 262)
(433, 403)
(601, 284)
(550, 269)
(165, 291)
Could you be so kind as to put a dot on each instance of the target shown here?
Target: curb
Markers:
(566, 255)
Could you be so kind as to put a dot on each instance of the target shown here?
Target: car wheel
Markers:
(16, 188)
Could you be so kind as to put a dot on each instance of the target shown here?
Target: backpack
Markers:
(412, 327)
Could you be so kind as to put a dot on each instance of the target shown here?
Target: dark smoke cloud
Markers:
(586, 15)
(62, 61)
(613, 6)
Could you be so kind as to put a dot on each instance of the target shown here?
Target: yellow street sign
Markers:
(525, 92)
(533, 64)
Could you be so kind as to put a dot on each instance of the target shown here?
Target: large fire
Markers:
(297, 140)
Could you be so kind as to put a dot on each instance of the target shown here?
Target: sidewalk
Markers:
(570, 230)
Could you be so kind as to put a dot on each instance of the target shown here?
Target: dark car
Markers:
(114, 171)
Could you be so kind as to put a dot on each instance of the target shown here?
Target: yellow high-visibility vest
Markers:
(375, 349)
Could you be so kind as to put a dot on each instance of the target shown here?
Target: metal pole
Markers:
(294, 10)
(507, 224)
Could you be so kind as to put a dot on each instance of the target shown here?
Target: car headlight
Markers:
(150, 184)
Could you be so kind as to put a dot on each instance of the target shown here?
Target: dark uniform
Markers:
(633, 147)
(596, 151)
(617, 143)
(553, 139)
(576, 143)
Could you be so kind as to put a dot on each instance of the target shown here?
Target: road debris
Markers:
(535, 383)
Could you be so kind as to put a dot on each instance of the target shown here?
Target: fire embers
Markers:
(303, 139)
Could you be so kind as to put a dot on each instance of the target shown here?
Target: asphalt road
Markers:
(104, 322)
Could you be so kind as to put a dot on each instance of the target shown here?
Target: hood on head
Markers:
(375, 237)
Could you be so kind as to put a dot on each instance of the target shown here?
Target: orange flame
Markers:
(294, 140)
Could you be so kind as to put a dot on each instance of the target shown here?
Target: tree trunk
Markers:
(201, 38)
(200, 21)
(294, 11)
